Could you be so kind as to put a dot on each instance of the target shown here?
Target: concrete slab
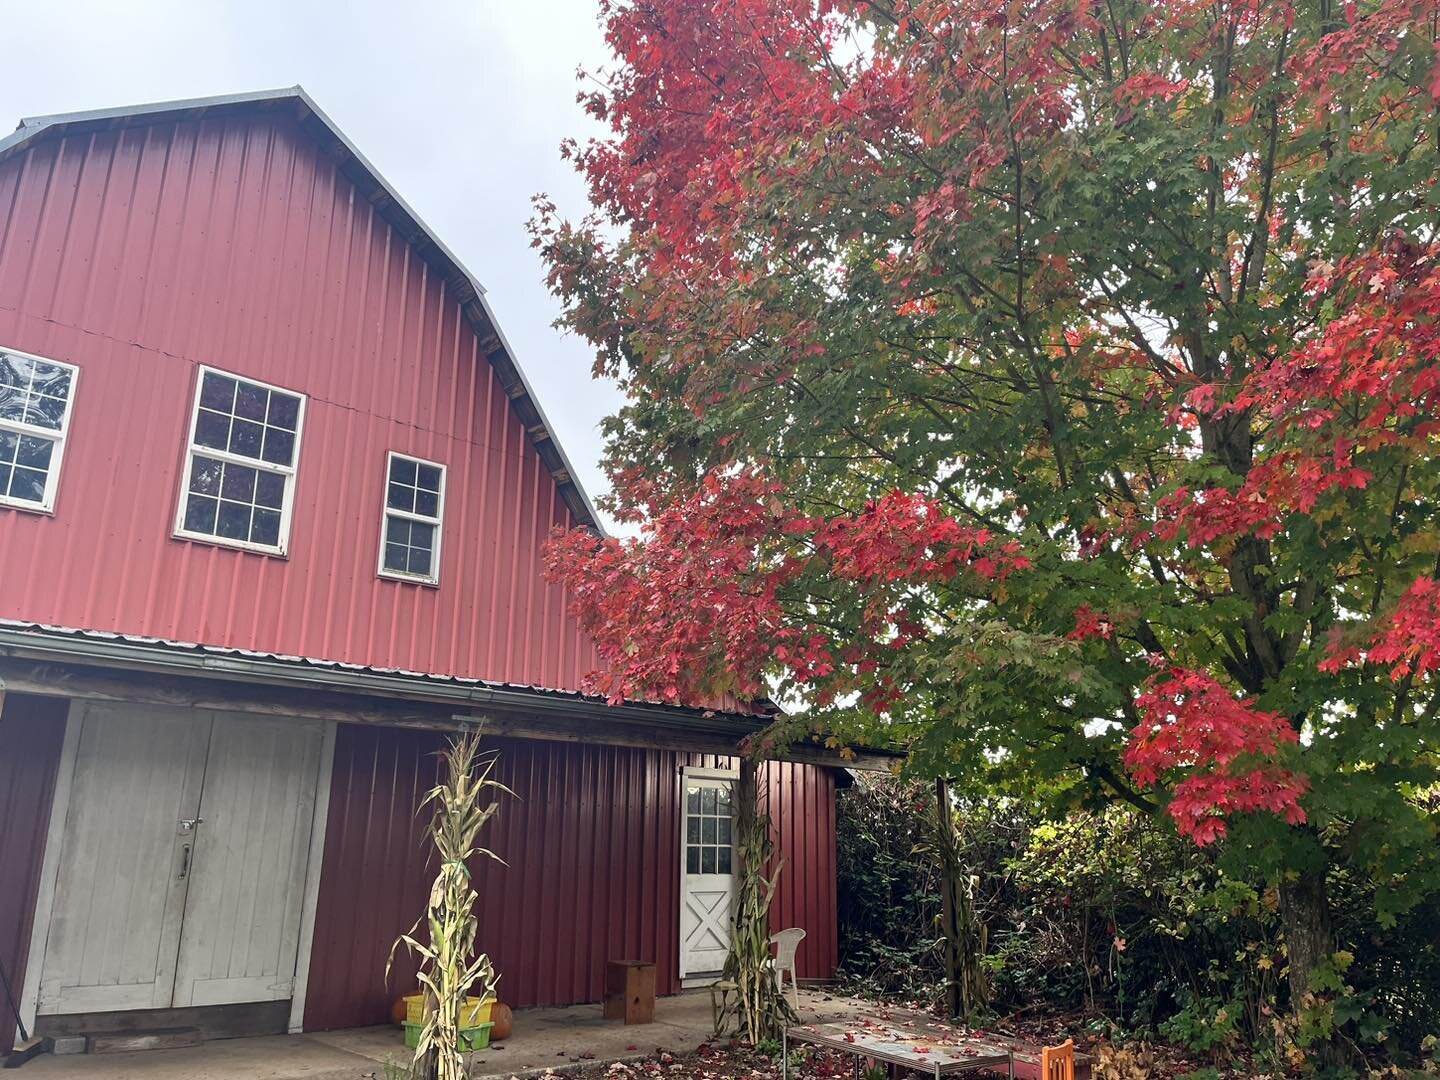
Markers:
(542, 1039)
(270, 1057)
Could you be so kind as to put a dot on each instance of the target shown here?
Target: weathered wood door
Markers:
(242, 915)
(122, 876)
(183, 860)
(707, 875)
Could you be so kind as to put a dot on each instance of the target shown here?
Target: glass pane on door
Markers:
(708, 828)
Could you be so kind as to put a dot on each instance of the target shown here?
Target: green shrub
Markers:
(1112, 915)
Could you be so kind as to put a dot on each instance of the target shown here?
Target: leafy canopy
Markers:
(1049, 387)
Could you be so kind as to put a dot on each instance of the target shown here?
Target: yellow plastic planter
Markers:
(476, 1011)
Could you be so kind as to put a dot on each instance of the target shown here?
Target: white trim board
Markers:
(312, 879)
(50, 867)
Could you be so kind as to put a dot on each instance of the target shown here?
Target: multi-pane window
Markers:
(240, 478)
(414, 508)
(35, 399)
(707, 829)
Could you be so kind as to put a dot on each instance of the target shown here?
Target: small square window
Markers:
(243, 443)
(411, 523)
(35, 399)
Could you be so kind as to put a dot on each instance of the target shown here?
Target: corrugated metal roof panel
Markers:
(33, 638)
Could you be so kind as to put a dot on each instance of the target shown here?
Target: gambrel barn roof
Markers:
(295, 103)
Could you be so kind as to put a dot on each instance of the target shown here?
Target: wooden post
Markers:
(760, 1011)
(964, 935)
(949, 884)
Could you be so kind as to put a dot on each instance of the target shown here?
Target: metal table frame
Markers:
(917, 1062)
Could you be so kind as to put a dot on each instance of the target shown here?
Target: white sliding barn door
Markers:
(182, 865)
(707, 874)
(121, 880)
(242, 916)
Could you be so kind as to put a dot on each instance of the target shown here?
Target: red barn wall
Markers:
(802, 801)
(234, 242)
(32, 733)
(591, 846)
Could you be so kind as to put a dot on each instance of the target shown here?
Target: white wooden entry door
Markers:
(121, 881)
(707, 875)
(182, 862)
(242, 916)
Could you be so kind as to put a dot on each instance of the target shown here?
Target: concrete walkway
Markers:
(542, 1039)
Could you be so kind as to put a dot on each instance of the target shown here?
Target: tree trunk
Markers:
(1305, 916)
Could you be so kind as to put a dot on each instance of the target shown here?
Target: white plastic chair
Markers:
(786, 942)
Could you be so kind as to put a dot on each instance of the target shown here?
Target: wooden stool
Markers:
(630, 991)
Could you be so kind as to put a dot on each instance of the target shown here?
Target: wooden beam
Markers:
(598, 731)
(597, 726)
(615, 733)
(96, 684)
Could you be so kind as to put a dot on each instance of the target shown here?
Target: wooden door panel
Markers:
(119, 890)
(242, 917)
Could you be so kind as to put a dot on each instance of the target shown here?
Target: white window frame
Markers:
(386, 510)
(57, 438)
(289, 472)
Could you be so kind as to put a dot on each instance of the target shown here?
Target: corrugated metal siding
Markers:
(32, 733)
(591, 846)
(802, 799)
(234, 242)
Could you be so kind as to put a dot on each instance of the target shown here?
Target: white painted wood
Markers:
(707, 871)
(242, 920)
(695, 772)
(119, 892)
(49, 866)
(312, 878)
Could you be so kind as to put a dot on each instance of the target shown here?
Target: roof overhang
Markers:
(295, 103)
(94, 665)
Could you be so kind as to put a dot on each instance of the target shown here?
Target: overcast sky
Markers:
(461, 105)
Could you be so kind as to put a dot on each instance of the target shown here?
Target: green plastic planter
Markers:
(472, 1038)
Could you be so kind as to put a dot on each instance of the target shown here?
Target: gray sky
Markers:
(461, 104)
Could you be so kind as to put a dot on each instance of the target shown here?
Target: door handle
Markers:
(184, 862)
(188, 824)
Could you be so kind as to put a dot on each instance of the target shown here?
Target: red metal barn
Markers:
(273, 491)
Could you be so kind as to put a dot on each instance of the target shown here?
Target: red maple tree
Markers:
(1049, 388)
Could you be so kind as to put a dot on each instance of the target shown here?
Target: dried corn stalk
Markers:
(451, 968)
(757, 1009)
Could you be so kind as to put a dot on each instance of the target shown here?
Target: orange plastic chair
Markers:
(1058, 1062)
